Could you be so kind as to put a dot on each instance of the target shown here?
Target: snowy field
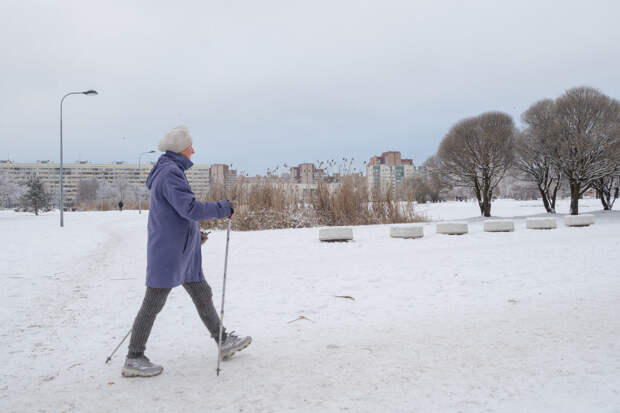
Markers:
(508, 322)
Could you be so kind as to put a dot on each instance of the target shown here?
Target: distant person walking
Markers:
(173, 251)
(120, 206)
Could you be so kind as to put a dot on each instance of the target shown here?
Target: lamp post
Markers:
(139, 176)
(62, 201)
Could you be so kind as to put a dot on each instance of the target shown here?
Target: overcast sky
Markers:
(261, 83)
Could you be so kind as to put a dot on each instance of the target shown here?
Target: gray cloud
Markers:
(262, 83)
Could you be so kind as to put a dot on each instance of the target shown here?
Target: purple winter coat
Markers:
(173, 255)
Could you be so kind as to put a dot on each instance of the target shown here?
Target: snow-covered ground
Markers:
(504, 208)
(527, 321)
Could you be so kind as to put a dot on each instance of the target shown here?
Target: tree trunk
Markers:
(479, 197)
(486, 203)
(605, 192)
(555, 194)
(487, 209)
(605, 198)
(487, 195)
(545, 198)
(575, 193)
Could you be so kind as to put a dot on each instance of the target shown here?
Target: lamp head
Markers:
(90, 92)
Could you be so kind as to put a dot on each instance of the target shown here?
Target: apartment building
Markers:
(388, 170)
(49, 172)
(223, 175)
(306, 173)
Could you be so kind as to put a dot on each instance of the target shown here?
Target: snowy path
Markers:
(523, 321)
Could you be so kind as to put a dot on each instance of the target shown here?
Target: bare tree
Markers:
(426, 185)
(516, 187)
(10, 191)
(533, 154)
(87, 190)
(587, 125)
(122, 187)
(415, 188)
(436, 184)
(477, 152)
(607, 190)
(118, 190)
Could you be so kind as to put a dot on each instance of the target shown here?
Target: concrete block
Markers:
(333, 234)
(541, 223)
(499, 225)
(452, 228)
(579, 220)
(407, 231)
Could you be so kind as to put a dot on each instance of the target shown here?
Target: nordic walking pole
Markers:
(119, 344)
(219, 341)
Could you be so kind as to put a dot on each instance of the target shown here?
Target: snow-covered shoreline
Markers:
(523, 321)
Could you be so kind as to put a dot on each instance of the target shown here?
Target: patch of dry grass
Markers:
(270, 204)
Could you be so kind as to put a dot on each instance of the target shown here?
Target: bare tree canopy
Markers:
(87, 190)
(10, 191)
(586, 134)
(533, 155)
(431, 169)
(607, 189)
(477, 152)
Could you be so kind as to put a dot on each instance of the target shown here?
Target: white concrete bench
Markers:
(541, 223)
(499, 225)
(407, 232)
(333, 234)
(452, 228)
(579, 220)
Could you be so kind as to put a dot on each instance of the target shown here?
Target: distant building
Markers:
(223, 175)
(389, 158)
(73, 173)
(388, 170)
(306, 173)
(294, 174)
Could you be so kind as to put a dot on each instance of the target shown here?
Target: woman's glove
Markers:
(204, 236)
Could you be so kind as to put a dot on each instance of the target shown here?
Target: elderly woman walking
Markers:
(173, 251)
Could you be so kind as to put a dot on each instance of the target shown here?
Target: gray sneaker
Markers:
(233, 343)
(141, 367)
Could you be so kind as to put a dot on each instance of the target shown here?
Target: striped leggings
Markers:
(154, 301)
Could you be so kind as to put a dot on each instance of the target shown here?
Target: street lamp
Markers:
(139, 175)
(88, 92)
